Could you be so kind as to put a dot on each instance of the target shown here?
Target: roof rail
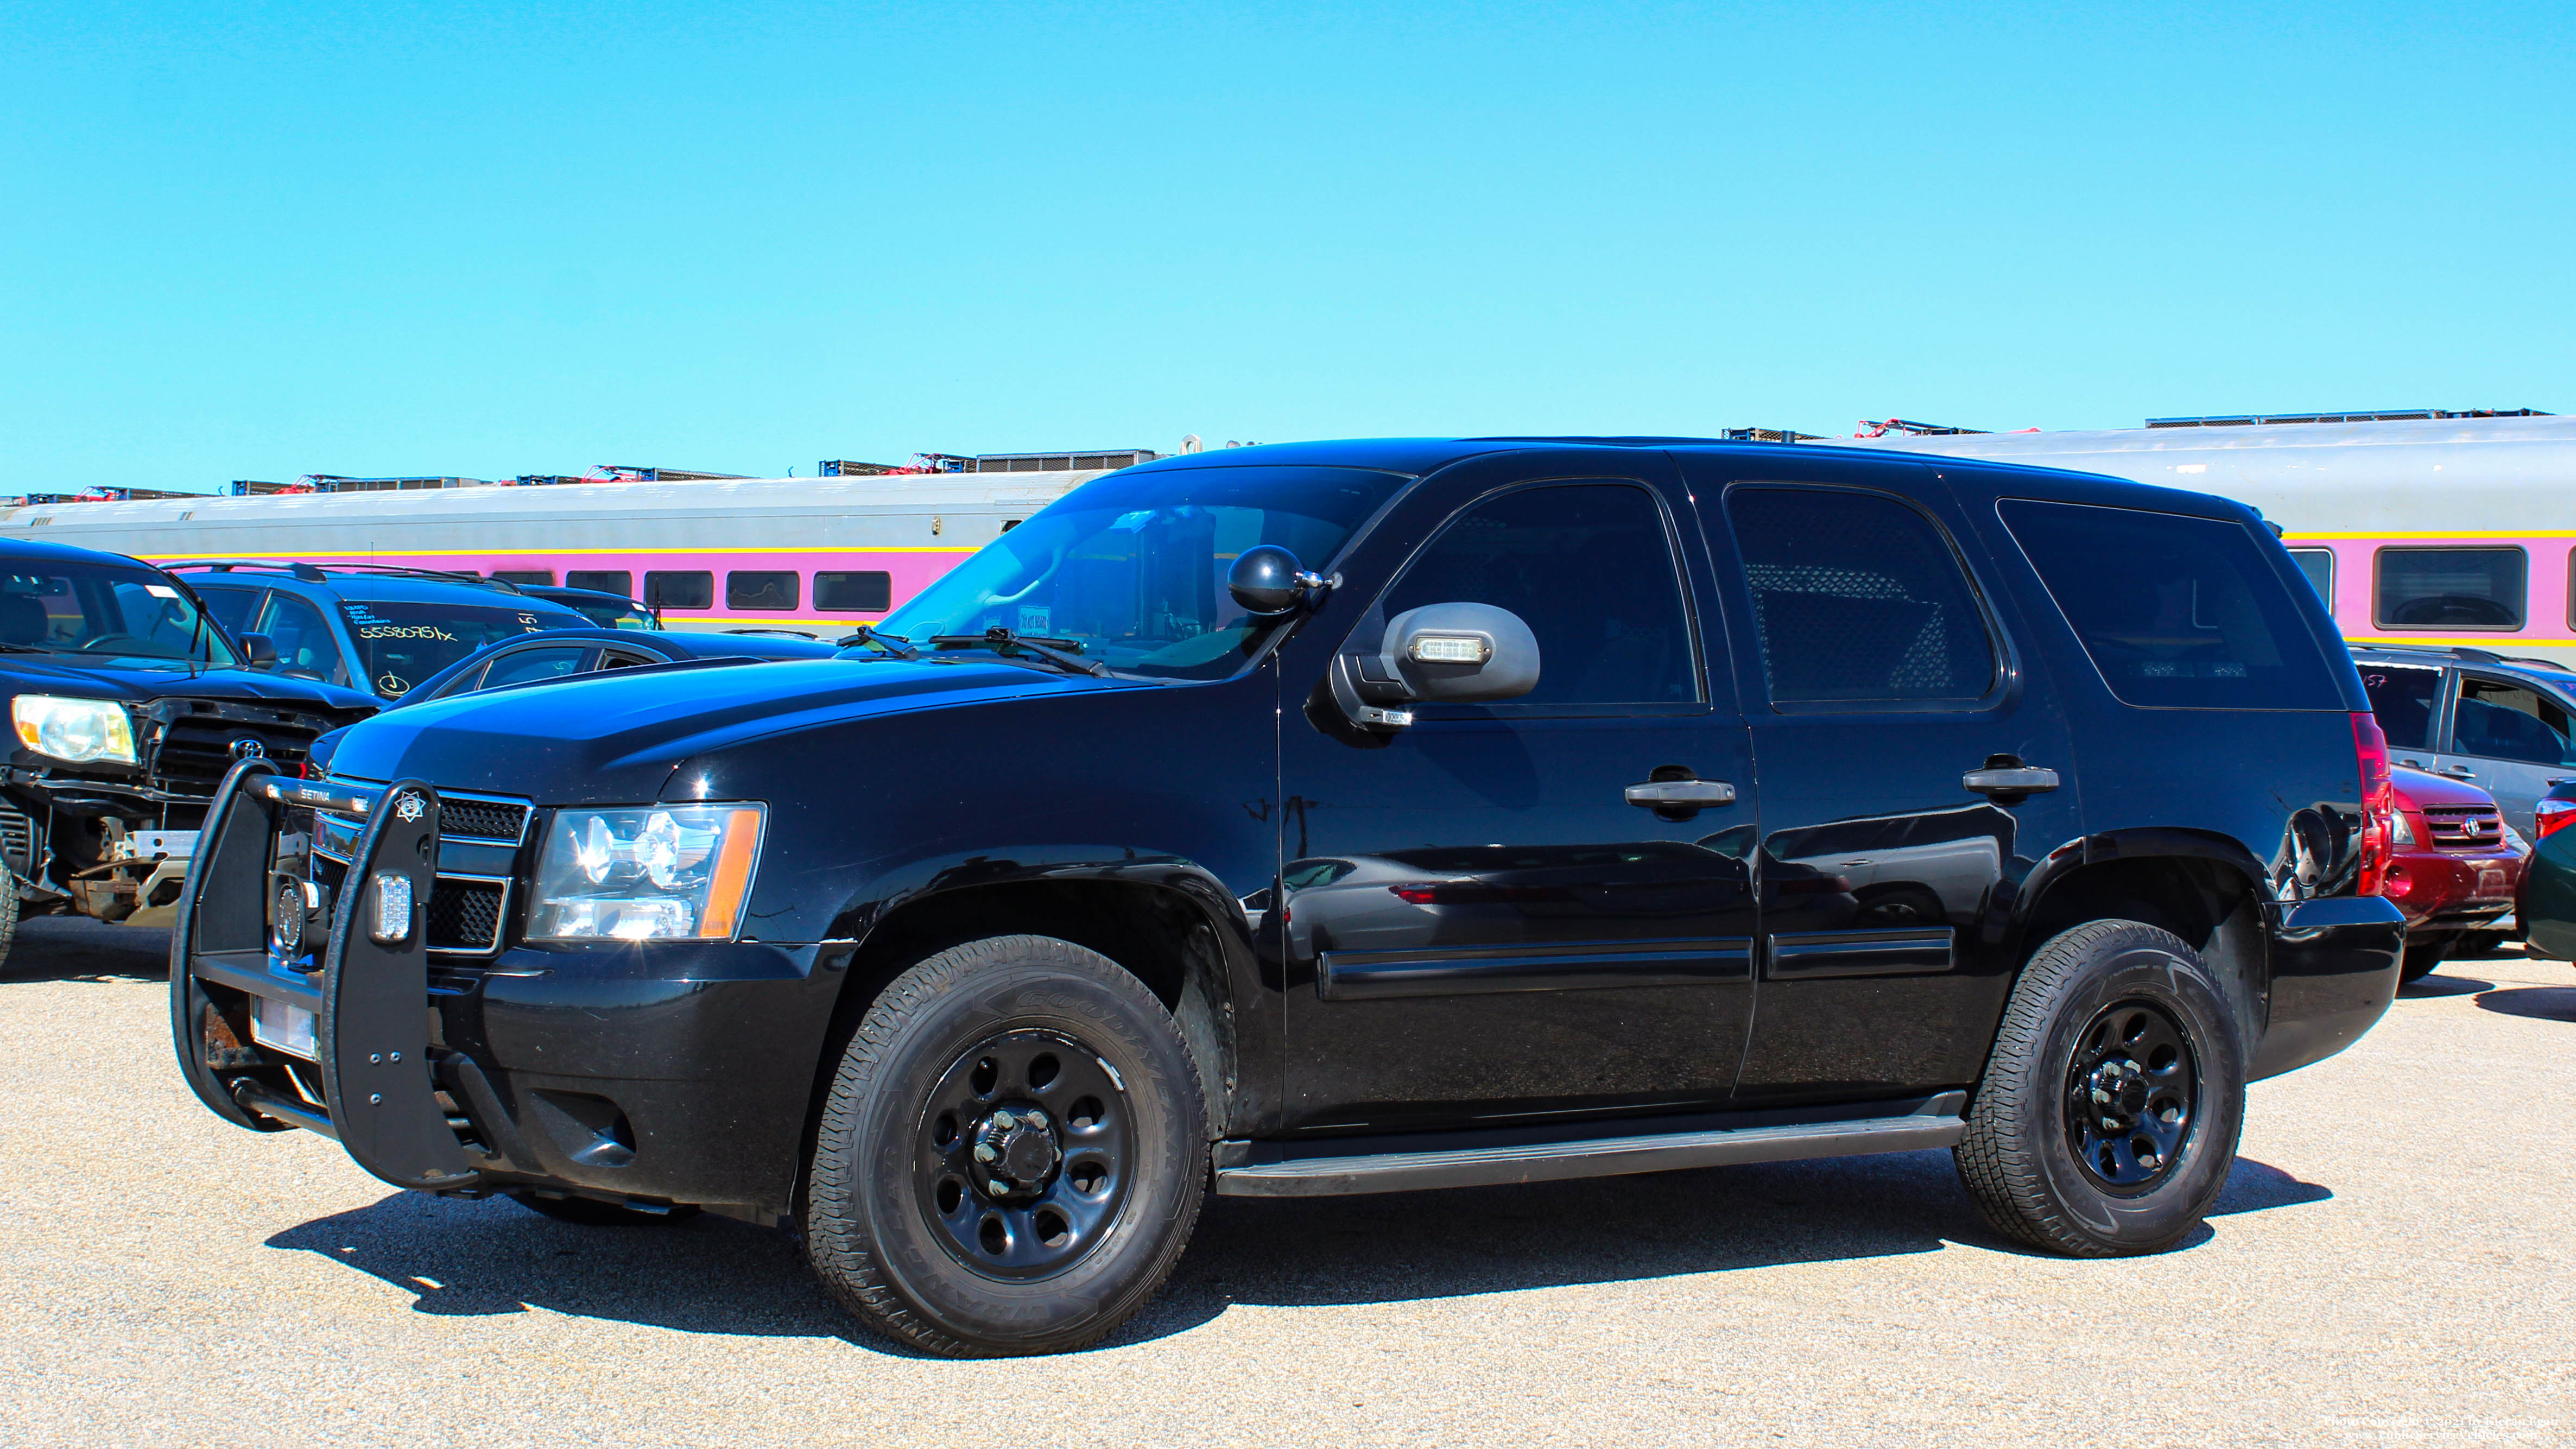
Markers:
(318, 573)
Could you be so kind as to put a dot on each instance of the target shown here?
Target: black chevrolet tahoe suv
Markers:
(1340, 818)
(127, 703)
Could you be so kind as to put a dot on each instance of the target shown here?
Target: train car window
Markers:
(761, 589)
(545, 577)
(2318, 565)
(607, 581)
(2403, 701)
(1859, 598)
(868, 592)
(680, 589)
(2449, 588)
(2177, 612)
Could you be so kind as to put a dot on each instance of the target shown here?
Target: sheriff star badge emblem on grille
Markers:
(409, 808)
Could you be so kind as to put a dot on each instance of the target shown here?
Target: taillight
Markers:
(2549, 815)
(2378, 805)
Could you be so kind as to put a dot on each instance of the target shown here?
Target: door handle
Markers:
(2457, 772)
(2010, 780)
(1687, 794)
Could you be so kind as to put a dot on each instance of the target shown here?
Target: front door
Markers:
(2510, 740)
(1881, 691)
(1480, 928)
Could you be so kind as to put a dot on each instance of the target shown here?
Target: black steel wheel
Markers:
(1012, 1151)
(1025, 1154)
(2131, 1093)
(2107, 1119)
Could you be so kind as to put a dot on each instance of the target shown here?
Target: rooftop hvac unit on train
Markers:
(335, 483)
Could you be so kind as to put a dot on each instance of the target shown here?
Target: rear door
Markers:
(2509, 737)
(2406, 700)
(1880, 684)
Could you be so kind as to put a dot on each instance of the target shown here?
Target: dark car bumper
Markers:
(2335, 965)
(657, 1072)
(670, 1071)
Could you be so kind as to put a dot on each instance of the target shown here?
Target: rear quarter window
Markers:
(2176, 612)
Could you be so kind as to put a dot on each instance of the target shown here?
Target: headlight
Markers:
(79, 730)
(646, 874)
(2403, 833)
(2513, 838)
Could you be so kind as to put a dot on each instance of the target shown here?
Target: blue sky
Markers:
(258, 240)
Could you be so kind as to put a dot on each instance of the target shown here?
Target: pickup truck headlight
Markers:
(79, 730)
(646, 874)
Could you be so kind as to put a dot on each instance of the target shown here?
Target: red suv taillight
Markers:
(2378, 805)
(2549, 815)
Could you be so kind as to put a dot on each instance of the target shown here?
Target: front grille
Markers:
(192, 742)
(465, 915)
(481, 819)
(2464, 827)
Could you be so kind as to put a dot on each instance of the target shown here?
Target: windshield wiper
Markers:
(1063, 653)
(10, 647)
(894, 644)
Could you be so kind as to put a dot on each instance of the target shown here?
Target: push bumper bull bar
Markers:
(371, 1012)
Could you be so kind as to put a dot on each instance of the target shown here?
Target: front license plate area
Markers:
(281, 1027)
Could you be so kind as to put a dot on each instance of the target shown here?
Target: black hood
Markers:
(108, 676)
(616, 737)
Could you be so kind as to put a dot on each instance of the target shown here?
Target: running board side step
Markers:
(1938, 1124)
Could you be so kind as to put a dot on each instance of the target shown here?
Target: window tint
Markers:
(689, 589)
(2449, 588)
(2318, 565)
(1857, 598)
(2180, 612)
(525, 576)
(306, 647)
(230, 606)
(2403, 701)
(761, 589)
(529, 664)
(869, 592)
(607, 581)
(2499, 721)
(1589, 569)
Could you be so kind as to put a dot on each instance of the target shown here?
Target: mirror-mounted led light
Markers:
(1451, 649)
(392, 923)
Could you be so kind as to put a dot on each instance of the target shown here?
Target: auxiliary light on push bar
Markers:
(392, 923)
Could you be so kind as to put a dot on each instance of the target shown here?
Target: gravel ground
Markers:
(2387, 1267)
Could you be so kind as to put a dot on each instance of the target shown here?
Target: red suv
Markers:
(2457, 867)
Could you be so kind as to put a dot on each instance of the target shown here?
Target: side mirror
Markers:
(259, 651)
(1437, 654)
(1267, 581)
(1460, 653)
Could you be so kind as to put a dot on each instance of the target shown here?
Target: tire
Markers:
(8, 918)
(592, 1213)
(2045, 1175)
(2425, 953)
(1077, 1081)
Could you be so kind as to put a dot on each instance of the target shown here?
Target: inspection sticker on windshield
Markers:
(161, 591)
(1037, 619)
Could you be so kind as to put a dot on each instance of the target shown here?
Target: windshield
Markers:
(404, 641)
(1132, 567)
(128, 613)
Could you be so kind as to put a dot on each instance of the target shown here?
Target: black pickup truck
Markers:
(1342, 818)
(128, 703)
